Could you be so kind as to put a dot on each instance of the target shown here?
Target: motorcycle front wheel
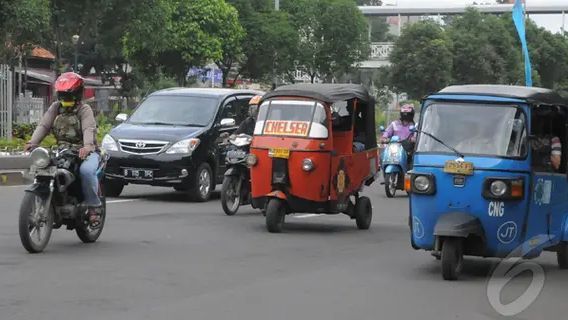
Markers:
(35, 222)
(231, 194)
(391, 182)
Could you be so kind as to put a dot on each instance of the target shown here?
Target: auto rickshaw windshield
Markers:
(292, 118)
(474, 129)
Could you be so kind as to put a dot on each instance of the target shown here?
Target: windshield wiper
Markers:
(442, 143)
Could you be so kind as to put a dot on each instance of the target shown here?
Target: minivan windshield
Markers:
(474, 129)
(292, 118)
(175, 110)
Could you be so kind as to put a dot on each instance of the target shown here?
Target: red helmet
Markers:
(69, 86)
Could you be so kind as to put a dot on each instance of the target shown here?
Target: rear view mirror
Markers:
(382, 128)
(412, 129)
(228, 122)
(121, 117)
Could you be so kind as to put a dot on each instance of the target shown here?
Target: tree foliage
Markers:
(421, 59)
(332, 36)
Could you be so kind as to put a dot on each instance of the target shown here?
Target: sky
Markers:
(550, 22)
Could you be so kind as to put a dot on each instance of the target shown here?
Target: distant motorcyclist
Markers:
(74, 126)
(401, 127)
(247, 126)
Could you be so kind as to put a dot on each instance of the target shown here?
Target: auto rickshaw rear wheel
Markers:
(275, 213)
(562, 255)
(452, 258)
(363, 213)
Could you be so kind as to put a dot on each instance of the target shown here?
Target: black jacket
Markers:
(247, 126)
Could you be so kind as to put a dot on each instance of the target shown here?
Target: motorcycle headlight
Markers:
(186, 146)
(109, 144)
(40, 158)
(240, 141)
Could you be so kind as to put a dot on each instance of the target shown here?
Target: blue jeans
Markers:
(89, 180)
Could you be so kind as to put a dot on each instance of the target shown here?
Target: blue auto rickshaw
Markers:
(484, 181)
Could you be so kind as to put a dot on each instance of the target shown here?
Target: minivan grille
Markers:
(142, 146)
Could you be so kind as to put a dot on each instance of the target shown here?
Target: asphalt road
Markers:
(162, 257)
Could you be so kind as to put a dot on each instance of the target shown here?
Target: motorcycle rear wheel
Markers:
(35, 223)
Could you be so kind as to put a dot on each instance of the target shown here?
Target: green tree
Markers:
(484, 50)
(270, 41)
(23, 25)
(421, 60)
(332, 36)
(176, 35)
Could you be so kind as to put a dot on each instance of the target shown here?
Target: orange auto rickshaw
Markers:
(314, 149)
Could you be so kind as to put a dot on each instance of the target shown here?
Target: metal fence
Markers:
(29, 109)
(6, 101)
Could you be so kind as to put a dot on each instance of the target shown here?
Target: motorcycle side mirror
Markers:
(382, 128)
(412, 129)
(121, 117)
(228, 122)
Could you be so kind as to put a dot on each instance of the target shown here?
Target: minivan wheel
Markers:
(113, 188)
(202, 185)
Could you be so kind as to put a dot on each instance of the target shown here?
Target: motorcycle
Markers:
(235, 190)
(55, 199)
(394, 163)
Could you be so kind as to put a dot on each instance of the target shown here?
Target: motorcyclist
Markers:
(401, 127)
(73, 125)
(247, 126)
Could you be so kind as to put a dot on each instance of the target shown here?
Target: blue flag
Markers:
(519, 20)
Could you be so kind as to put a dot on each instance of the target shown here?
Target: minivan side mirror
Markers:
(121, 117)
(228, 122)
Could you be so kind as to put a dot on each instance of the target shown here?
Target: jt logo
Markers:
(507, 232)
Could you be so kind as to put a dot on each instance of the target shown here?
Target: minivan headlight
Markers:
(108, 143)
(186, 146)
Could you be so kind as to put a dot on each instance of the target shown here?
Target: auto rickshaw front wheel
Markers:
(562, 255)
(363, 213)
(452, 258)
(275, 213)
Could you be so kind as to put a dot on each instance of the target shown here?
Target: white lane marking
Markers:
(309, 215)
(122, 200)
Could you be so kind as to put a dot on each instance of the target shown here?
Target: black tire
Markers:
(28, 223)
(363, 213)
(562, 255)
(452, 258)
(203, 183)
(391, 182)
(113, 188)
(231, 195)
(275, 213)
(83, 230)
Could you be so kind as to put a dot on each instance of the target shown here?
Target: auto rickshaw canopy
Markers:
(331, 93)
(532, 95)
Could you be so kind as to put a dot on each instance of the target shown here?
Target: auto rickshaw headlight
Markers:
(308, 165)
(503, 188)
(421, 183)
(251, 160)
(498, 188)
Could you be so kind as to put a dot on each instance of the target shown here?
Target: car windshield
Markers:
(292, 118)
(175, 110)
(474, 129)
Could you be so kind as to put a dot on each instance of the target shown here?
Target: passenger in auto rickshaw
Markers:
(343, 117)
(546, 144)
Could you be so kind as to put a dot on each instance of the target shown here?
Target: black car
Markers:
(177, 138)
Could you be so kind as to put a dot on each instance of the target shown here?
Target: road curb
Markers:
(14, 170)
